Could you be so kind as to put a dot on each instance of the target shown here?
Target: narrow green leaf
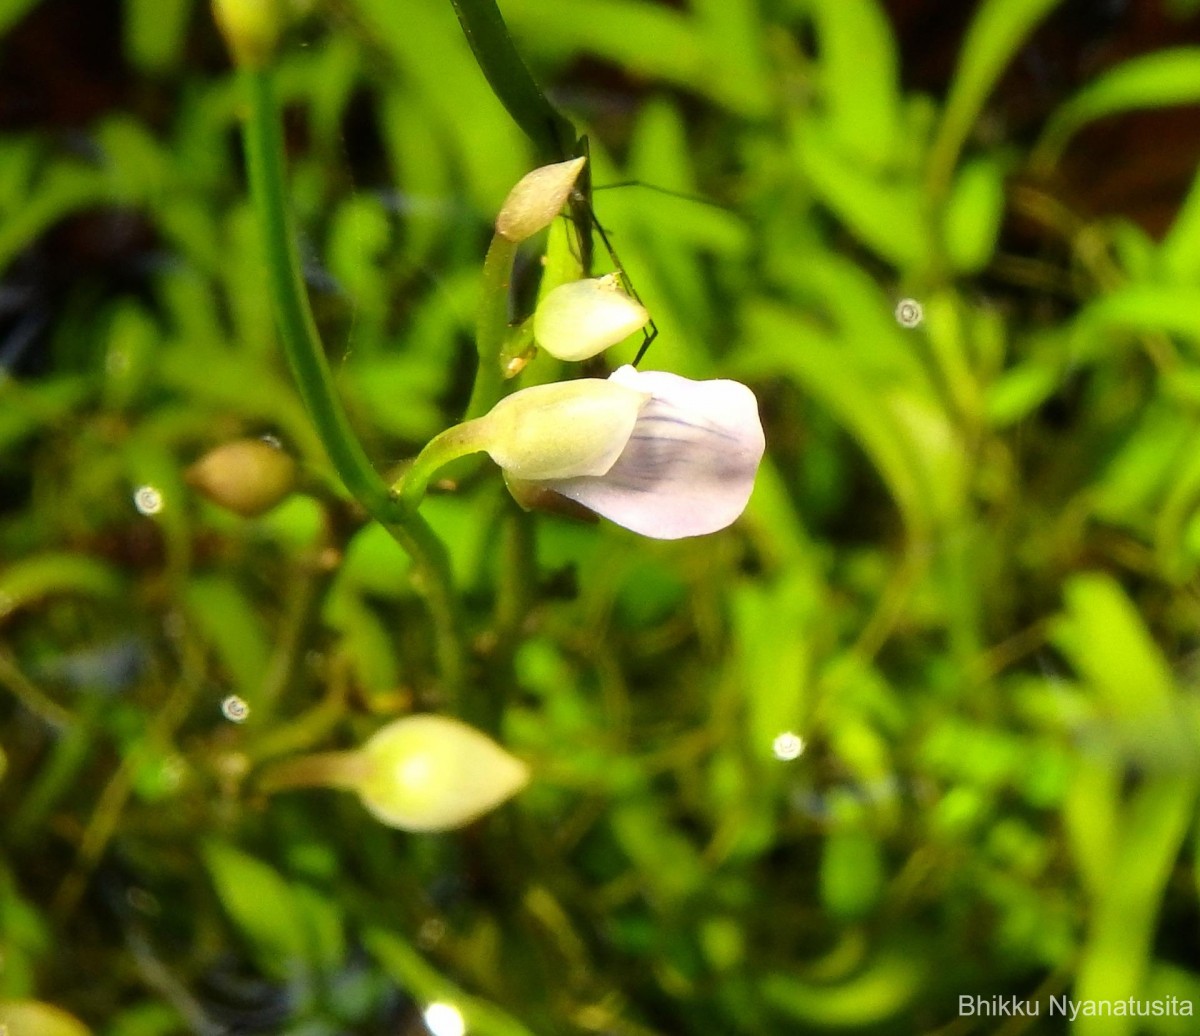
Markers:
(886, 214)
(44, 575)
(155, 31)
(1124, 918)
(851, 874)
(1107, 642)
(261, 905)
(995, 35)
(785, 344)
(772, 622)
(12, 11)
(1179, 253)
(880, 991)
(1158, 80)
(1138, 307)
(426, 984)
(858, 77)
(971, 218)
(234, 628)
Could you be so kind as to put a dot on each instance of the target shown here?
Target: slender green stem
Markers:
(511, 80)
(306, 357)
(458, 441)
(301, 342)
(320, 770)
(491, 326)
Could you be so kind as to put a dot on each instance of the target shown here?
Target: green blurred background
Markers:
(968, 578)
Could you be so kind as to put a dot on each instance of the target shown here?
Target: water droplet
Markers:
(235, 709)
(444, 1020)
(909, 313)
(147, 500)
(788, 746)
(272, 440)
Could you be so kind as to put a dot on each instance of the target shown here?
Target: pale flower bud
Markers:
(579, 319)
(537, 199)
(247, 476)
(563, 429)
(251, 29)
(431, 773)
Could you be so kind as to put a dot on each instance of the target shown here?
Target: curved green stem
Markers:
(458, 441)
(306, 357)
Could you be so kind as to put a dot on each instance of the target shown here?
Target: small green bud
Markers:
(431, 773)
(561, 430)
(247, 476)
(581, 318)
(537, 199)
(251, 29)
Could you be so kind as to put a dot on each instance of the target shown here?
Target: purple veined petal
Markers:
(689, 466)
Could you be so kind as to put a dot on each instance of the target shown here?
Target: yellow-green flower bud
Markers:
(35, 1017)
(579, 319)
(537, 199)
(562, 430)
(251, 29)
(431, 773)
(247, 476)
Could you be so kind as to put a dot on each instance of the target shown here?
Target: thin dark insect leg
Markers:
(695, 199)
(580, 205)
(583, 218)
(651, 331)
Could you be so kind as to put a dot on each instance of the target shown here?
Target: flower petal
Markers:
(689, 466)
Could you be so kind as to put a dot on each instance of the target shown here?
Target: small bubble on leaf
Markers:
(147, 500)
(235, 709)
(788, 746)
(909, 313)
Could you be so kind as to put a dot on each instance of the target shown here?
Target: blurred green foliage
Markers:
(967, 579)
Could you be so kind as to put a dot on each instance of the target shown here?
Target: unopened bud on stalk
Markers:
(537, 199)
(579, 319)
(251, 29)
(431, 773)
(247, 476)
(420, 773)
